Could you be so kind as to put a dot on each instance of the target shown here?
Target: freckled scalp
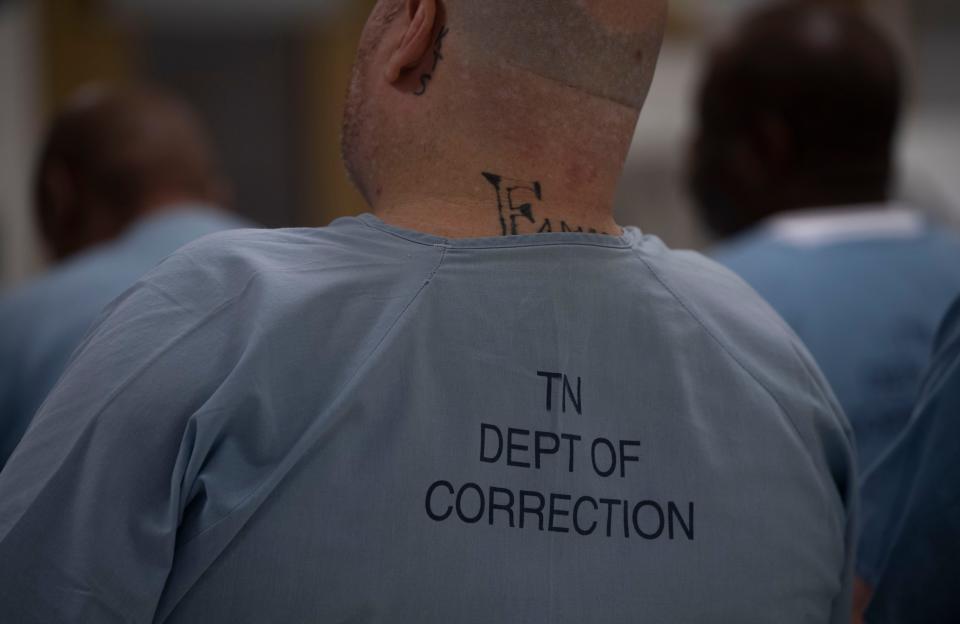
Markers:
(607, 48)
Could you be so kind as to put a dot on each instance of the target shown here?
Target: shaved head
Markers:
(607, 48)
(113, 154)
(486, 84)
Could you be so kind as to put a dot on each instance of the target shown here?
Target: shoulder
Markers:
(285, 249)
(718, 298)
(764, 348)
(222, 266)
(754, 336)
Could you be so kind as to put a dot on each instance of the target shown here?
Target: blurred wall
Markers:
(330, 50)
(80, 42)
(19, 119)
(248, 87)
(652, 193)
(269, 78)
(931, 141)
(48, 48)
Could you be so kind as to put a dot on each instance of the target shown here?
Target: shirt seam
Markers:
(824, 499)
(356, 372)
(720, 343)
(200, 322)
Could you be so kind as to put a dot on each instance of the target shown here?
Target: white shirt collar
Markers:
(827, 226)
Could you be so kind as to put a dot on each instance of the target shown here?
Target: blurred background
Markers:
(269, 79)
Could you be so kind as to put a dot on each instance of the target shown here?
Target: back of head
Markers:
(490, 84)
(112, 155)
(799, 109)
(606, 48)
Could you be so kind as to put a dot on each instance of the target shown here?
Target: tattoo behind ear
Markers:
(426, 77)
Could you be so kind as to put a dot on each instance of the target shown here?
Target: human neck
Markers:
(489, 196)
(503, 152)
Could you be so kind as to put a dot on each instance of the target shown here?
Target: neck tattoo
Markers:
(519, 205)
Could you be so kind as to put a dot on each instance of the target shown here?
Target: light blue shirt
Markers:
(42, 322)
(865, 289)
(366, 424)
(912, 504)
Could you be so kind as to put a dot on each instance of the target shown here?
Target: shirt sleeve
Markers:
(911, 531)
(91, 500)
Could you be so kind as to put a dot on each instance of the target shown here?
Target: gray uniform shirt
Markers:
(42, 322)
(365, 424)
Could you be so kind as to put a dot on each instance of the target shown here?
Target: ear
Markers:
(421, 16)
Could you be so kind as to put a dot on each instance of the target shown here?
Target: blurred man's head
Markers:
(798, 109)
(446, 84)
(114, 155)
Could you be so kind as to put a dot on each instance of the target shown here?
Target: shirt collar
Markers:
(825, 226)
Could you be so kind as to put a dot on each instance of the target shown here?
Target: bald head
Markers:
(798, 108)
(112, 155)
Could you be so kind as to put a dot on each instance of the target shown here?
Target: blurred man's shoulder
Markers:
(762, 258)
(76, 288)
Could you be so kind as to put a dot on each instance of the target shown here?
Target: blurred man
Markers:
(487, 403)
(793, 161)
(912, 525)
(124, 179)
